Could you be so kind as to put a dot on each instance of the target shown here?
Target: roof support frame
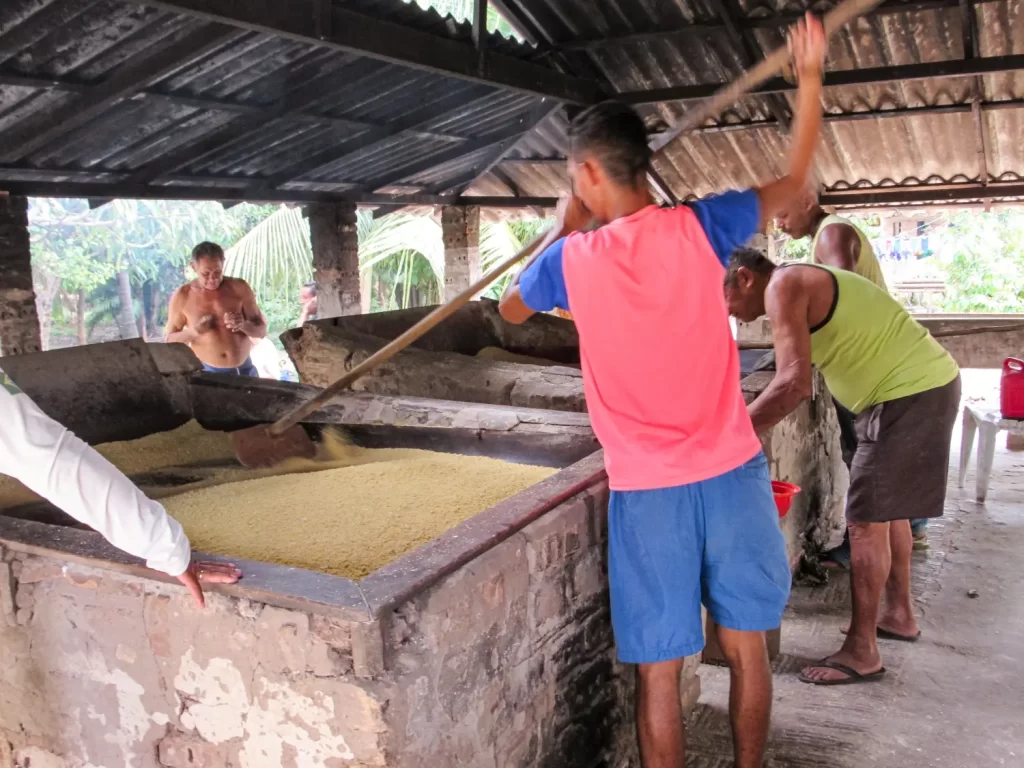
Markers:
(258, 111)
(743, 43)
(126, 81)
(686, 32)
(506, 137)
(246, 194)
(951, 68)
(924, 193)
(968, 23)
(303, 21)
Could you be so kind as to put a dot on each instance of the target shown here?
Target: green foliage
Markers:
(984, 268)
(275, 256)
(84, 249)
(400, 256)
(502, 240)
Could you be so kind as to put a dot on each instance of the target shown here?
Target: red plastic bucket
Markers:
(1011, 389)
(784, 493)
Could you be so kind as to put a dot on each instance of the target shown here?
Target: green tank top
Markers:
(870, 350)
(867, 264)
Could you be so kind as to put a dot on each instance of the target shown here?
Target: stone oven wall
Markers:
(511, 662)
(804, 448)
(103, 670)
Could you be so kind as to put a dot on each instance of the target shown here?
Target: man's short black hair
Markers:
(209, 250)
(752, 259)
(311, 287)
(614, 133)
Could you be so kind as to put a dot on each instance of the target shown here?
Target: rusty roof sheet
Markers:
(887, 151)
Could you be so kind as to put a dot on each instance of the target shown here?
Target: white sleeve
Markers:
(71, 475)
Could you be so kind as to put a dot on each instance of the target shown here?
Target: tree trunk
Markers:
(47, 288)
(126, 326)
(146, 316)
(156, 325)
(365, 290)
(83, 338)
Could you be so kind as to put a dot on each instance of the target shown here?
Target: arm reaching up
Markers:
(807, 44)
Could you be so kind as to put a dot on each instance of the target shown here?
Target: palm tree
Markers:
(401, 257)
(502, 240)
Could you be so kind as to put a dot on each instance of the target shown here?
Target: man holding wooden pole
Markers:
(691, 514)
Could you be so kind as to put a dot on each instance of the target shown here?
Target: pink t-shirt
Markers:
(660, 367)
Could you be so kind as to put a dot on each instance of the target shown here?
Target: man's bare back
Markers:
(218, 316)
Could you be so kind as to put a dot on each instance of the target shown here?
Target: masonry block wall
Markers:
(804, 448)
(334, 236)
(460, 228)
(509, 661)
(19, 321)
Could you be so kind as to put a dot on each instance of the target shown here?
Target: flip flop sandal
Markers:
(885, 634)
(852, 675)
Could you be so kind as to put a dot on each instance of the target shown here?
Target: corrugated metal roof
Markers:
(881, 151)
(267, 110)
(332, 98)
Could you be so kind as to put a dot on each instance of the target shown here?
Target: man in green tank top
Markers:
(904, 389)
(835, 241)
(838, 242)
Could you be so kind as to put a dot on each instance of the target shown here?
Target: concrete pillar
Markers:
(460, 228)
(335, 240)
(19, 321)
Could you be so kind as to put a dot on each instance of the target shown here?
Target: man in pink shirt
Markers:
(691, 517)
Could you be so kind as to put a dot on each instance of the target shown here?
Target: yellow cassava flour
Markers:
(185, 446)
(347, 512)
(348, 520)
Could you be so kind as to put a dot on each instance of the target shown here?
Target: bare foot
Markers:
(867, 666)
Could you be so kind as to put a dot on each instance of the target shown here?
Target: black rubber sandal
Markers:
(885, 634)
(852, 675)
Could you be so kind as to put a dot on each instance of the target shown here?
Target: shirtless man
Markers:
(216, 315)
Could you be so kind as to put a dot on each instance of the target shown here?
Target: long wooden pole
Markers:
(840, 15)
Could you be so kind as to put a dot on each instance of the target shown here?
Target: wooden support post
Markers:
(460, 228)
(335, 239)
(19, 321)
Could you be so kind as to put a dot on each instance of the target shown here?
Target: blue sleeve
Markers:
(542, 284)
(729, 220)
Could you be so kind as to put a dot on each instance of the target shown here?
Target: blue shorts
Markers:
(245, 369)
(717, 542)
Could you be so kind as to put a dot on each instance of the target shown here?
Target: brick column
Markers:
(335, 240)
(460, 228)
(19, 321)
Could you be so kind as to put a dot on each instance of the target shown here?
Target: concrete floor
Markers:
(956, 697)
